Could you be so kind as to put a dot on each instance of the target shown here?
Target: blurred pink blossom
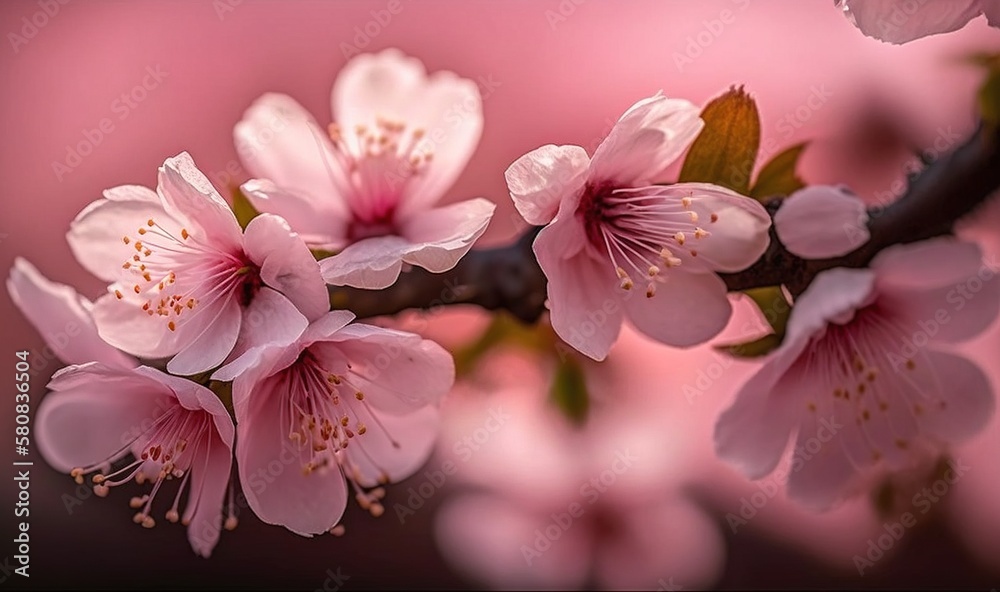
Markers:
(343, 403)
(187, 282)
(609, 227)
(367, 188)
(901, 21)
(855, 373)
(538, 503)
(176, 429)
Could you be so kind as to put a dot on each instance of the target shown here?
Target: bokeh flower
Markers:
(367, 185)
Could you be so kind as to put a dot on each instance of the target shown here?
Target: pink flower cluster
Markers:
(215, 341)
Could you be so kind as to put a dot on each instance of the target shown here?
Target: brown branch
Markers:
(509, 277)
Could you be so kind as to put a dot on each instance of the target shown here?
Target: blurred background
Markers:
(98, 93)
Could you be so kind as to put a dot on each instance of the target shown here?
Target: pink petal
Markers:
(392, 86)
(650, 136)
(967, 394)
(896, 21)
(286, 264)
(270, 468)
(212, 346)
(310, 217)
(279, 140)
(538, 180)
(95, 236)
(326, 326)
(373, 263)
(991, 8)
(824, 477)
(739, 235)
(395, 446)
(754, 431)
(941, 287)
(195, 397)
(271, 320)
(91, 412)
(833, 294)
(209, 482)
(188, 195)
(398, 372)
(672, 544)
(491, 539)
(62, 317)
(442, 236)
(937, 261)
(688, 308)
(585, 311)
(820, 222)
(124, 325)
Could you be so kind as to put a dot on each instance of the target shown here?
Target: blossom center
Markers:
(641, 231)
(325, 413)
(177, 274)
(176, 442)
(379, 160)
(870, 377)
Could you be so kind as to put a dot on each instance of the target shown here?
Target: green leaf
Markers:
(725, 151)
(752, 349)
(778, 177)
(321, 254)
(989, 98)
(774, 306)
(244, 210)
(569, 390)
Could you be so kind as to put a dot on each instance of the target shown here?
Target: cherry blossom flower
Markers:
(610, 229)
(343, 404)
(174, 428)
(901, 21)
(366, 186)
(821, 221)
(62, 317)
(857, 372)
(538, 504)
(187, 282)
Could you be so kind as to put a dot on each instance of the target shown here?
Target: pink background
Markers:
(556, 79)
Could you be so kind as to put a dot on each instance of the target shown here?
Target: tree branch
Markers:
(509, 277)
